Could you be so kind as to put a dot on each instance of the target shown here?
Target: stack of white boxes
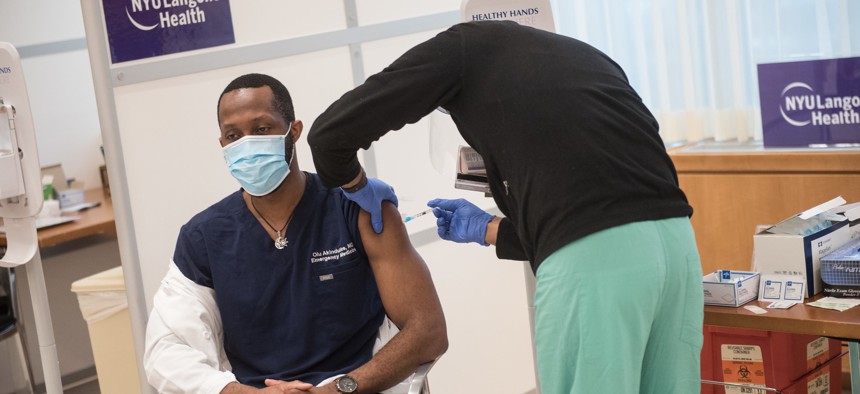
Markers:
(800, 255)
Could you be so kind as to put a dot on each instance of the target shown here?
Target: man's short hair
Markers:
(282, 102)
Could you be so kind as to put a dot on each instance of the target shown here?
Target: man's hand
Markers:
(274, 387)
(460, 221)
(283, 387)
(370, 198)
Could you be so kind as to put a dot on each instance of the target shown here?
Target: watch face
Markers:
(346, 384)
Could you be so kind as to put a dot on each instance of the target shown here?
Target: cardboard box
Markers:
(730, 288)
(764, 359)
(854, 229)
(852, 213)
(71, 197)
(800, 254)
(840, 271)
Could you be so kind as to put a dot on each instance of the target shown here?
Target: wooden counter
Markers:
(733, 192)
(799, 319)
(96, 220)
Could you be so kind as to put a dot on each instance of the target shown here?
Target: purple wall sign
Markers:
(140, 29)
(810, 102)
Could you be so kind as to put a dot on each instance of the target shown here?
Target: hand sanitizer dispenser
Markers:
(20, 172)
(10, 162)
(21, 200)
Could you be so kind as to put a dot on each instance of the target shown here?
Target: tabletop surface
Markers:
(96, 220)
(799, 319)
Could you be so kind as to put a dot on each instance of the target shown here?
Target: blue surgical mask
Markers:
(258, 162)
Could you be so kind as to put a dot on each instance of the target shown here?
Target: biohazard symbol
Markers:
(744, 371)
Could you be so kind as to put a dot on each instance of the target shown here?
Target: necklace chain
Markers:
(281, 242)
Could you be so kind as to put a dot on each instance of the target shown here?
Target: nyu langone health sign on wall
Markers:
(140, 29)
(810, 103)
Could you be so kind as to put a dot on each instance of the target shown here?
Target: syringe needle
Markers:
(419, 214)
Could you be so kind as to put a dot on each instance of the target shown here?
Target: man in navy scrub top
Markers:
(283, 286)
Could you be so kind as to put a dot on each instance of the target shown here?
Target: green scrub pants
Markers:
(620, 311)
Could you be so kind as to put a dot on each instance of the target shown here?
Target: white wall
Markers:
(60, 85)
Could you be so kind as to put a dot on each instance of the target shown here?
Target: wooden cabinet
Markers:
(733, 192)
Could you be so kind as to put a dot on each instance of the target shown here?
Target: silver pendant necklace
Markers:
(281, 241)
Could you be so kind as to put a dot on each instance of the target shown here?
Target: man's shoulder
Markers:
(227, 207)
(333, 195)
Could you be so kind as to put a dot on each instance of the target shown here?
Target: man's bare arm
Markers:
(410, 301)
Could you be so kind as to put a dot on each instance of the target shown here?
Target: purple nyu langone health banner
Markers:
(810, 103)
(140, 29)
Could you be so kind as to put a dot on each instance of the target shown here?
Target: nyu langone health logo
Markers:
(801, 106)
(141, 29)
(171, 13)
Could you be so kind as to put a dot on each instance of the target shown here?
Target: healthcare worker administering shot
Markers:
(589, 194)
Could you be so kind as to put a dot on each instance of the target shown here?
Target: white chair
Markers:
(11, 326)
(419, 383)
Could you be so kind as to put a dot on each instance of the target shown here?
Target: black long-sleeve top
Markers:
(569, 147)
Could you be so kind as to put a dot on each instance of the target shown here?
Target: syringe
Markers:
(417, 215)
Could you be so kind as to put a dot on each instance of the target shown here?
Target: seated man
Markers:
(283, 286)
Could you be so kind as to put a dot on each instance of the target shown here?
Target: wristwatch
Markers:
(346, 384)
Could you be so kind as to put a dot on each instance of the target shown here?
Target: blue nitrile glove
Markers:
(370, 198)
(460, 221)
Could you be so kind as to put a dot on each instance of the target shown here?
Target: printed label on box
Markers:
(817, 352)
(779, 287)
(743, 364)
(818, 383)
(794, 290)
(772, 289)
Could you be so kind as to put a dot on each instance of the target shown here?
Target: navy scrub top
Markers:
(309, 311)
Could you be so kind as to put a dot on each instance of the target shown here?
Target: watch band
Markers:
(358, 186)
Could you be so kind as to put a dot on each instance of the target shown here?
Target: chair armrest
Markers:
(419, 378)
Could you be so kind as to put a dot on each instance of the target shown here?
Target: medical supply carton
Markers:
(761, 359)
(730, 288)
(852, 214)
(794, 254)
(71, 197)
(840, 271)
